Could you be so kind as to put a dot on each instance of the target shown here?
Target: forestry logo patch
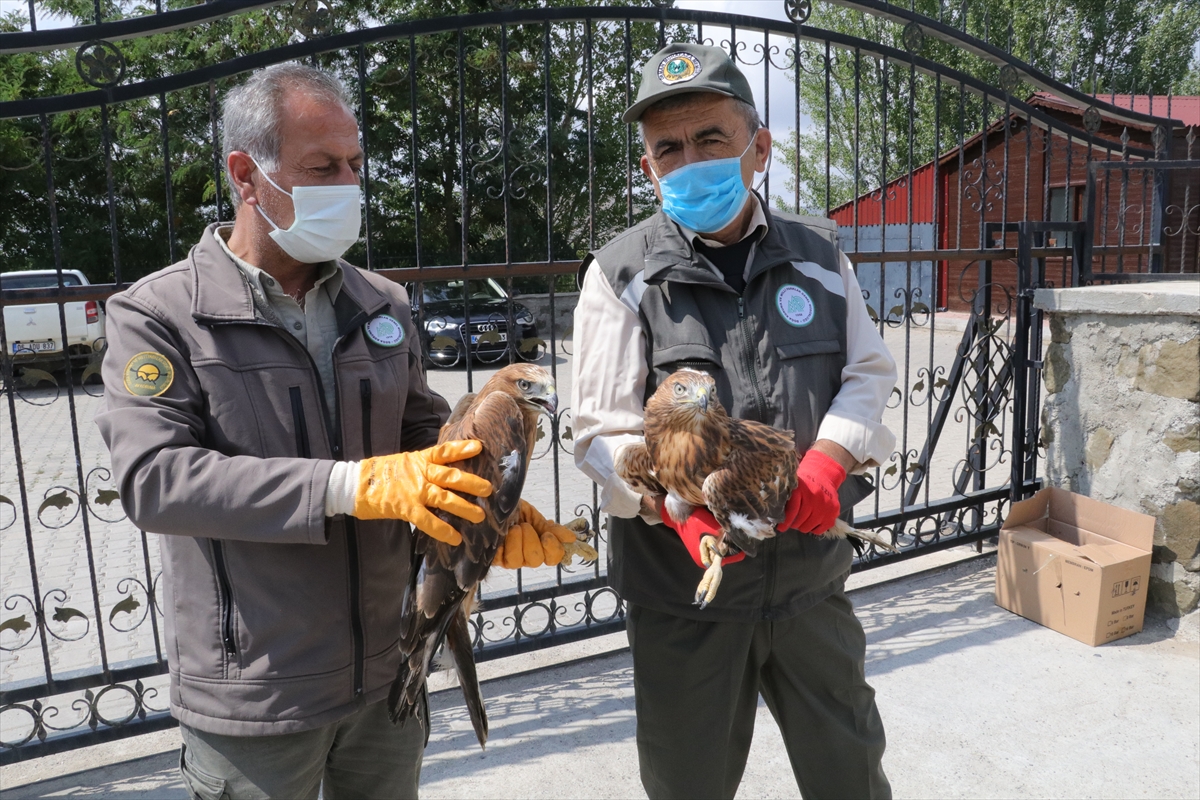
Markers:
(385, 331)
(795, 305)
(678, 68)
(148, 374)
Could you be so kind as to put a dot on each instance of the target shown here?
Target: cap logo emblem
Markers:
(678, 68)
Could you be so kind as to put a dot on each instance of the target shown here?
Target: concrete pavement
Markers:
(977, 703)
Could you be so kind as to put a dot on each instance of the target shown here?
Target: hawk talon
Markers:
(709, 548)
(709, 584)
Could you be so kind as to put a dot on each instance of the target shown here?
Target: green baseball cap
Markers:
(683, 67)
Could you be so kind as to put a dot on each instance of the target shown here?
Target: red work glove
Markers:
(699, 523)
(814, 506)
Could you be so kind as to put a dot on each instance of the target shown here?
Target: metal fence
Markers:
(495, 161)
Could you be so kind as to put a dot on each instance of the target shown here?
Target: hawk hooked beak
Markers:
(702, 399)
(548, 401)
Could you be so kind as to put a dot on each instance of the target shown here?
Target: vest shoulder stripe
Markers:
(832, 281)
(632, 296)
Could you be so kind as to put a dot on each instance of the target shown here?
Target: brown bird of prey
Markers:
(503, 416)
(697, 455)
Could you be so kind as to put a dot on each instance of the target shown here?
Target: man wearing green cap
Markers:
(766, 304)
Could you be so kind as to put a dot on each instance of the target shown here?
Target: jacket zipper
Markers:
(354, 578)
(760, 405)
(333, 426)
(223, 585)
(364, 390)
(760, 402)
(333, 429)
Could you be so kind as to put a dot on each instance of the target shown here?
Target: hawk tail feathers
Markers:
(458, 641)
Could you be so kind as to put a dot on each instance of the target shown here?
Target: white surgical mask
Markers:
(326, 225)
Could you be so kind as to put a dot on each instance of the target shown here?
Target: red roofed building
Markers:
(1028, 174)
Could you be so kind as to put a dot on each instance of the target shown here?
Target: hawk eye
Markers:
(680, 388)
(523, 385)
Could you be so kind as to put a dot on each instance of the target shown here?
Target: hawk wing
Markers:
(438, 603)
(497, 422)
(749, 494)
(635, 466)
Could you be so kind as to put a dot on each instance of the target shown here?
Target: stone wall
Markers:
(564, 311)
(1121, 418)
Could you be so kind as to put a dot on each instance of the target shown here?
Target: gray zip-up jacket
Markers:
(778, 353)
(278, 619)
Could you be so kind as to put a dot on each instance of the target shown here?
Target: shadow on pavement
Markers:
(151, 778)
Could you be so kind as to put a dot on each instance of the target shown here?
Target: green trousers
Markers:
(363, 755)
(696, 687)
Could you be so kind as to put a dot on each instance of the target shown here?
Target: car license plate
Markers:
(475, 337)
(47, 346)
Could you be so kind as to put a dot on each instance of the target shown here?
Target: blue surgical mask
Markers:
(707, 195)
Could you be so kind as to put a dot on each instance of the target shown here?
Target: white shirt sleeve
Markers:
(342, 487)
(608, 383)
(854, 417)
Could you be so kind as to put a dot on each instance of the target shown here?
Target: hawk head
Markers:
(529, 385)
(688, 398)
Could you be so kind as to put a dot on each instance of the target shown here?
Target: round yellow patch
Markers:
(148, 374)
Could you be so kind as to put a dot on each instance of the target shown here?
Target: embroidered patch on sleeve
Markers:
(148, 374)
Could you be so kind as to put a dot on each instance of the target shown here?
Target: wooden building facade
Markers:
(1014, 171)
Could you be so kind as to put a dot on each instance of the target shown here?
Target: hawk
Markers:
(697, 455)
(441, 596)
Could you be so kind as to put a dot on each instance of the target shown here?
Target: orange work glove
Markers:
(533, 541)
(407, 485)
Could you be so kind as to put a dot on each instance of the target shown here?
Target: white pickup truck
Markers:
(33, 330)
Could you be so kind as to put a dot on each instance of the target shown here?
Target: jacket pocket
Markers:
(809, 348)
(301, 425)
(228, 642)
(199, 783)
(364, 391)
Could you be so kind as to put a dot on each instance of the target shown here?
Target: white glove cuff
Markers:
(343, 486)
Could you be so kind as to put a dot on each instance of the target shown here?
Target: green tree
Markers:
(561, 90)
(883, 119)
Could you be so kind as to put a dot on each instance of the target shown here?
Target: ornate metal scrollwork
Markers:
(18, 630)
(113, 706)
(1091, 119)
(100, 64)
(1008, 78)
(8, 516)
(983, 184)
(913, 37)
(798, 11)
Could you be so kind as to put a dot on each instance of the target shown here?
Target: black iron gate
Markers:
(495, 160)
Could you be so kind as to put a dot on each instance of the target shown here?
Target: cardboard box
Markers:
(1076, 565)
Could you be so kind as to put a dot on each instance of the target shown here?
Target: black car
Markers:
(441, 310)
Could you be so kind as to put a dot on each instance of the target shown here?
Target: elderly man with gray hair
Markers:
(266, 410)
